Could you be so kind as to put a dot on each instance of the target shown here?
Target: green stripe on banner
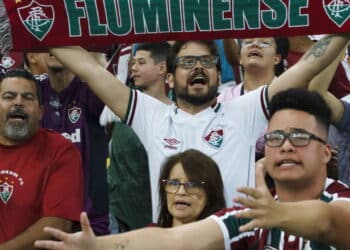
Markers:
(42, 23)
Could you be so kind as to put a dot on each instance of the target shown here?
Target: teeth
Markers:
(287, 163)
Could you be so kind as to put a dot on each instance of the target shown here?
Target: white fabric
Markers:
(166, 130)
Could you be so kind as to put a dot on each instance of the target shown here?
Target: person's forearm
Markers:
(104, 84)
(312, 63)
(25, 240)
(232, 49)
(317, 220)
(201, 235)
(323, 53)
(149, 238)
(307, 219)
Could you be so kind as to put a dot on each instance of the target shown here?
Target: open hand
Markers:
(264, 211)
(84, 240)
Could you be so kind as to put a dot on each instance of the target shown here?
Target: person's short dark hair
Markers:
(302, 100)
(210, 44)
(22, 73)
(197, 167)
(282, 48)
(159, 51)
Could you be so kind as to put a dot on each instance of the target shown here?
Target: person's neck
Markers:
(158, 92)
(299, 192)
(253, 79)
(193, 109)
(177, 222)
(60, 80)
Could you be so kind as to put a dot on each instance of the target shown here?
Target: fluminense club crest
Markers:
(37, 18)
(6, 192)
(337, 10)
(74, 114)
(215, 138)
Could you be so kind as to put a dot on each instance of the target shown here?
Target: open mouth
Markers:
(254, 53)
(17, 116)
(287, 163)
(201, 79)
(182, 204)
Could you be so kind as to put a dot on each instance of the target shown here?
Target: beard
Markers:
(197, 99)
(17, 130)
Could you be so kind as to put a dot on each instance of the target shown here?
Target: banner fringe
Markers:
(5, 31)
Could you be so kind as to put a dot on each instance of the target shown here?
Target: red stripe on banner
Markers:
(42, 23)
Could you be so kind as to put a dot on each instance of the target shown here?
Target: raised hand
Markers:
(264, 211)
(84, 240)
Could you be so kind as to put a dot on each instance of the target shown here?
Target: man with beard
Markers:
(40, 171)
(227, 132)
(73, 110)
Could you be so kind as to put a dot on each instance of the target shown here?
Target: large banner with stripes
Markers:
(40, 23)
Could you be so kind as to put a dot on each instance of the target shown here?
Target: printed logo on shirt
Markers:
(171, 143)
(8, 180)
(74, 114)
(73, 137)
(37, 18)
(7, 62)
(337, 10)
(215, 137)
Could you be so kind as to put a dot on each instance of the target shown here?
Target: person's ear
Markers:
(162, 68)
(277, 59)
(170, 80)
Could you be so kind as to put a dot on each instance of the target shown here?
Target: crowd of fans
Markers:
(171, 133)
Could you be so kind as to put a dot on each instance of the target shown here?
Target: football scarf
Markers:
(35, 24)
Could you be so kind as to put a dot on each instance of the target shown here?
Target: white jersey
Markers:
(227, 132)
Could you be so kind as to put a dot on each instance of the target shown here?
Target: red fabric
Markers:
(147, 22)
(40, 178)
(340, 85)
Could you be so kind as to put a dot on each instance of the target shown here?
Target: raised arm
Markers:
(232, 49)
(315, 60)
(26, 239)
(321, 84)
(183, 237)
(106, 86)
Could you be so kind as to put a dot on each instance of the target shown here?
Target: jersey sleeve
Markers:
(63, 192)
(229, 225)
(143, 112)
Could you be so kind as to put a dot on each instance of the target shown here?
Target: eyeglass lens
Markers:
(189, 62)
(173, 186)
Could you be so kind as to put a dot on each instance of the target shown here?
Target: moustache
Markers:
(199, 76)
(17, 112)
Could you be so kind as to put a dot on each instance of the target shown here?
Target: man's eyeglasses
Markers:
(260, 43)
(188, 62)
(173, 185)
(298, 138)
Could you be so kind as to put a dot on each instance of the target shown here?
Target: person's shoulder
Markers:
(52, 137)
(336, 189)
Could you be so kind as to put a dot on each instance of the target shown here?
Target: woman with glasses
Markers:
(190, 189)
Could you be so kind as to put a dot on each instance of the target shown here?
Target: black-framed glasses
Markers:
(260, 43)
(192, 187)
(188, 62)
(298, 138)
